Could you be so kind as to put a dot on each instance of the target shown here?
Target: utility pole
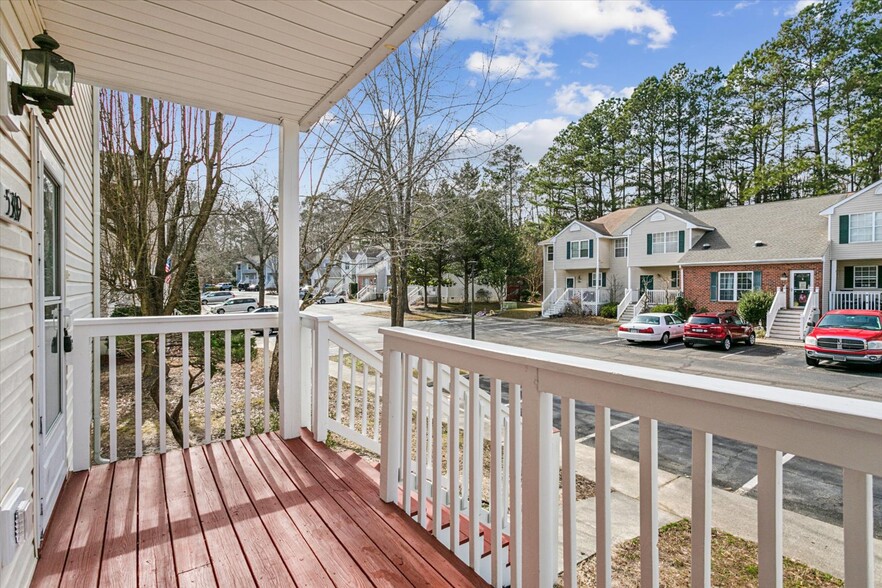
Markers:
(472, 273)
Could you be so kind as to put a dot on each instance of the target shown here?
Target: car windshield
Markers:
(850, 321)
(643, 319)
(704, 320)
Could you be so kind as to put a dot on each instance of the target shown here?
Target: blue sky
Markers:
(570, 54)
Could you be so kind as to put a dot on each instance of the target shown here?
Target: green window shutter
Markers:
(568, 248)
(682, 237)
(849, 277)
(713, 288)
(879, 276)
(591, 248)
(649, 244)
(843, 228)
(757, 280)
(603, 277)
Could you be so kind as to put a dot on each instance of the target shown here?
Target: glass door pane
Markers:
(54, 348)
(801, 287)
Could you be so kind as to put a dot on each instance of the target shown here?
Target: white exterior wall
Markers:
(839, 283)
(574, 232)
(637, 242)
(547, 271)
(867, 202)
(70, 134)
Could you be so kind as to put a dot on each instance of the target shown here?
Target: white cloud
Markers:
(578, 99)
(744, 4)
(590, 61)
(462, 20)
(795, 8)
(534, 137)
(511, 64)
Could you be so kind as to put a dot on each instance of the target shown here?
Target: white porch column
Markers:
(290, 391)
(834, 277)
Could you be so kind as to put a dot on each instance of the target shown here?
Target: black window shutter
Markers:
(849, 277)
(757, 280)
(879, 276)
(591, 248)
(568, 248)
(649, 244)
(843, 228)
(603, 277)
(682, 237)
(713, 287)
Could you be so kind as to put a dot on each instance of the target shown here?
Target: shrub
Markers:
(610, 310)
(664, 308)
(121, 311)
(754, 305)
(683, 307)
(482, 296)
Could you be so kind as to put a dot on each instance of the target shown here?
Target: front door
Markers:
(51, 331)
(646, 283)
(571, 282)
(801, 284)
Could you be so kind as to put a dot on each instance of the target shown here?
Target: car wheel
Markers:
(688, 344)
(666, 337)
(250, 309)
(752, 339)
(220, 311)
(321, 301)
(811, 361)
(727, 343)
(341, 301)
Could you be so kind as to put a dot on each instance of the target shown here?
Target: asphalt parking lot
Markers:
(810, 487)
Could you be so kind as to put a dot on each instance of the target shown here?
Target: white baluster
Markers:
(516, 443)
(228, 367)
(407, 458)
(453, 459)
(496, 481)
(476, 460)
(770, 517)
(185, 386)
(139, 423)
(421, 442)
(436, 450)
(247, 382)
(267, 359)
(568, 471)
(111, 400)
(648, 502)
(206, 344)
(702, 489)
(603, 504)
(162, 399)
(857, 522)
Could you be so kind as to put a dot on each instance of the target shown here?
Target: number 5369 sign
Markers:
(10, 206)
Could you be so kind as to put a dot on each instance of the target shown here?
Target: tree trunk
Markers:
(261, 281)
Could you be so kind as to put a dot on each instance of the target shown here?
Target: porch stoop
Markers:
(787, 325)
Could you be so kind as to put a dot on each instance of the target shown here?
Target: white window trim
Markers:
(575, 252)
(623, 249)
(735, 289)
(549, 253)
(873, 271)
(875, 226)
(665, 242)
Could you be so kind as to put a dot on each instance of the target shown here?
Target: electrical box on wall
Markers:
(16, 523)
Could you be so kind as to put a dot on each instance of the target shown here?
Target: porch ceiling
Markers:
(265, 60)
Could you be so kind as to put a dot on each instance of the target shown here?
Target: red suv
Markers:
(846, 336)
(717, 328)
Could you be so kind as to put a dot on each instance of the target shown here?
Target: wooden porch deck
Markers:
(256, 511)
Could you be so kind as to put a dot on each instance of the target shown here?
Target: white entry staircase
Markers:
(787, 325)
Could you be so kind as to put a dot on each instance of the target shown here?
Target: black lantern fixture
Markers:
(46, 79)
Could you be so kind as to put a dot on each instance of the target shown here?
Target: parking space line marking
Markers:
(673, 346)
(610, 342)
(751, 483)
(811, 367)
(612, 428)
(736, 353)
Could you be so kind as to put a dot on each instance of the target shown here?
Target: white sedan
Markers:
(653, 326)
(331, 298)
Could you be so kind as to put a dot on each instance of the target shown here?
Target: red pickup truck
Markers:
(846, 336)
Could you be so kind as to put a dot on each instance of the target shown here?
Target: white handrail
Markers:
(550, 300)
(853, 299)
(810, 306)
(623, 305)
(779, 302)
(640, 305)
(776, 420)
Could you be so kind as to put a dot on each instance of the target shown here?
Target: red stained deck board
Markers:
(84, 559)
(156, 566)
(264, 559)
(448, 564)
(192, 563)
(338, 563)
(299, 558)
(120, 559)
(57, 540)
(372, 559)
(227, 559)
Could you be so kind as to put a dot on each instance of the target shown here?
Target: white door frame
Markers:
(51, 446)
(793, 287)
(570, 280)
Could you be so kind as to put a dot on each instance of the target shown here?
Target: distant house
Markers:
(246, 271)
(813, 253)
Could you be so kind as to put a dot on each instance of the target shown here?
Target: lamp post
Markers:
(472, 273)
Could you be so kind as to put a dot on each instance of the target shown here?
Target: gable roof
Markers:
(616, 223)
(875, 187)
(790, 229)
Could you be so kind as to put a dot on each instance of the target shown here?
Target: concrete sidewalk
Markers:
(812, 542)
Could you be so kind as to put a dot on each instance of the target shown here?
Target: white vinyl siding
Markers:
(865, 227)
(622, 247)
(70, 135)
(733, 284)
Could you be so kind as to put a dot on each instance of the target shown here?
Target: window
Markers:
(592, 279)
(622, 247)
(865, 228)
(675, 279)
(667, 242)
(865, 276)
(549, 253)
(579, 249)
(733, 284)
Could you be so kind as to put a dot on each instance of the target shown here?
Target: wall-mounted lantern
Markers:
(47, 79)
(784, 277)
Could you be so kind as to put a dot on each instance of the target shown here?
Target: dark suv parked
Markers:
(717, 328)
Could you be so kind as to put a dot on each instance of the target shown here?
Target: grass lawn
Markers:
(733, 563)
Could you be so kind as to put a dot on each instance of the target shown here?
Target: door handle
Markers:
(68, 342)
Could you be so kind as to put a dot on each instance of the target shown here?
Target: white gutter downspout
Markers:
(597, 275)
(96, 269)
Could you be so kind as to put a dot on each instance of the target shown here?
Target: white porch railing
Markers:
(522, 497)
(550, 301)
(856, 299)
(811, 305)
(641, 304)
(367, 293)
(654, 297)
(779, 302)
(627, 299)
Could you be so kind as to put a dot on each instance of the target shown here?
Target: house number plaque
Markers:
(11, 205)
